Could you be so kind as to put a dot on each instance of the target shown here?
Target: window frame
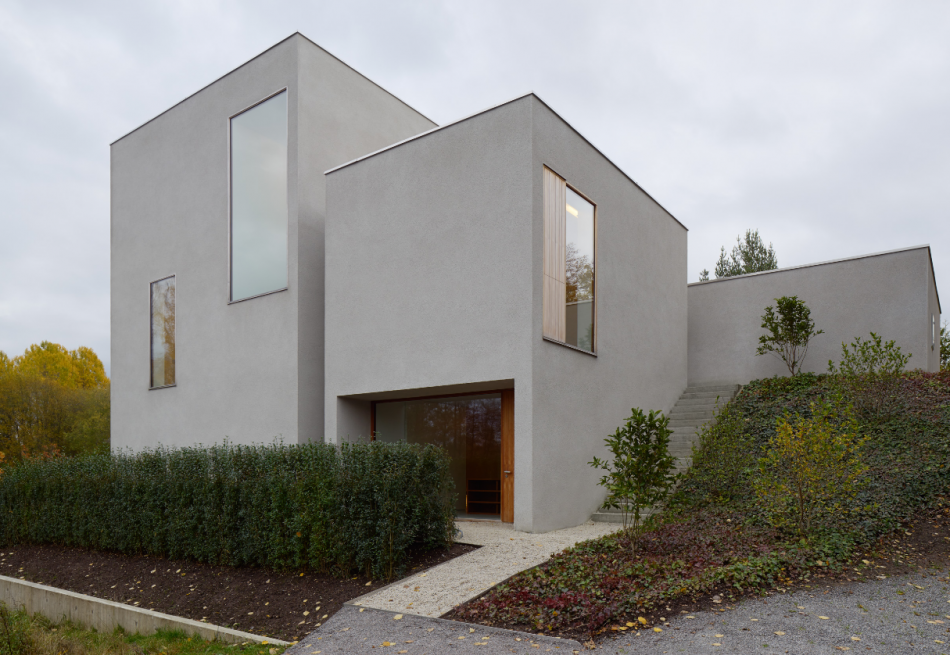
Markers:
(230, 159)
(175, 383)
(594, 317)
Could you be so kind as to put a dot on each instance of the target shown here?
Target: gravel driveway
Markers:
(902, 614)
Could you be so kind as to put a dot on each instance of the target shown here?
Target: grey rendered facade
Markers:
(415, 257)
(892, 294)
(248, 371)
(448, 231)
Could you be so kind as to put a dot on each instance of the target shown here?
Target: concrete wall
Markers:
(434, 286)
(428, 267)
(578, 400)
(249, 371)
(891, 294)
(106, 615)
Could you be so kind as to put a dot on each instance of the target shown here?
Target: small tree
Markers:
(789, 331)
(641, 473)
(749, 255)
(869, 372)
(812, 472)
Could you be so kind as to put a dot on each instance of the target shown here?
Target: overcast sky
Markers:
(825, 125)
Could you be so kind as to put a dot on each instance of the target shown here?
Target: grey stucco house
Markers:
(299, 255)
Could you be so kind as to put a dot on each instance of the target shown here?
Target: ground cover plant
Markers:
(22, 634)
(357, 508)
(717, 538)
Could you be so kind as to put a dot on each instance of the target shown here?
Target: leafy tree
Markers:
(812, 472)
(580, 275)
(51, 400)
(641, 473)
(944, 348)
(749, 255)
(789, 331)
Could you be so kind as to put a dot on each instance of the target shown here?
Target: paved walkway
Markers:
(504, 552)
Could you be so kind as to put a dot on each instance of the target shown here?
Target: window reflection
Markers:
(259, 199)
(579, 267)
(468, 427)
(163, 332)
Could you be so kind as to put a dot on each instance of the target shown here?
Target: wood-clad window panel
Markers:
(555, 277)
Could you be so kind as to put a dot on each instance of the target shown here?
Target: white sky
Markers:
(826, 126)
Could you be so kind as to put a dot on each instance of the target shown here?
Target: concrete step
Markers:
(713, 400)
(615, 515)
(718, 388)
(688, 422)
(690, 413)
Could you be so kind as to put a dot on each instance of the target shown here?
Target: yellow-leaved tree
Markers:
(53, 400)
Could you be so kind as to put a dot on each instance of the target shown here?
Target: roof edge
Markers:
(261, 54)
(496, 106)
(833, 261)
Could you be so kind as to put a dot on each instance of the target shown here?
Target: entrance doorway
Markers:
(476, 430)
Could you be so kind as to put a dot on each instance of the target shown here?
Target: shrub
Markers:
(811, 475)
(790, 330)
(359, 507)
(724, 461)
(641, 473)
(868, 373)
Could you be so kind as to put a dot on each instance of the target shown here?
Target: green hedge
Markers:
(358, 507)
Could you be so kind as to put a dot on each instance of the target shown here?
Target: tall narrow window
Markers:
(259, 199)
(568, 293)
(163, 332)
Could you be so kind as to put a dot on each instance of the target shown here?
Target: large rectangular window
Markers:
(259, 199)
(162, 340)
(469, 428)
(568, 291)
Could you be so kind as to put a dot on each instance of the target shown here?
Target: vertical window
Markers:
(568, 293)
(162, 339)
(259, 199)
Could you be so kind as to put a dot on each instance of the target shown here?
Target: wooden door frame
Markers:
(508, 456)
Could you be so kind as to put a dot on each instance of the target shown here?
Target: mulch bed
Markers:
(284, 605)
(922, 544)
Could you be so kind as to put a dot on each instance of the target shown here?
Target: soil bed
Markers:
(285, 605)
(922, 544)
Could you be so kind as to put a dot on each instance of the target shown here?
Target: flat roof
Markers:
(833, 261)
(502, 104)
(261, 54)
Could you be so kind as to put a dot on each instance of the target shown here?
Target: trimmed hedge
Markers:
(357, 507)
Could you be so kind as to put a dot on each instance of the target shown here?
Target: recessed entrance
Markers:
(477, 431)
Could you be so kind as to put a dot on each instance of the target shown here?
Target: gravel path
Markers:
(902, 614)
(504, 552)
(354, 630)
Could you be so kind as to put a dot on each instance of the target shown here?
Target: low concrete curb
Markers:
(106, 615)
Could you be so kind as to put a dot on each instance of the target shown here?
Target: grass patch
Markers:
(22, 634)
(716, 536)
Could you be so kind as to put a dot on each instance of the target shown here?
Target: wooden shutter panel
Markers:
(555, 275)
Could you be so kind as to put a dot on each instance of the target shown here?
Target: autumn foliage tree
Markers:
(53, 400)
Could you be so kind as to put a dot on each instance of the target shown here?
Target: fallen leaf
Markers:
(642, 620)
(855, 639)
(397, 617)
(823, 618)
(630, 625)
(780, 633)
(657, 629)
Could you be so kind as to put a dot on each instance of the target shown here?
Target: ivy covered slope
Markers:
(719, 532)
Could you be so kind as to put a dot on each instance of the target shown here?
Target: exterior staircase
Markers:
(693, 410)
